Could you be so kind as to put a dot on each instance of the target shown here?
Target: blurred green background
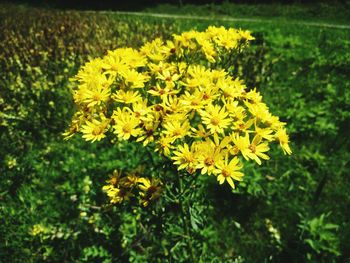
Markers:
(291, 209)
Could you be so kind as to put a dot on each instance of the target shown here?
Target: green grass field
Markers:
(335, 13)
(290, 209)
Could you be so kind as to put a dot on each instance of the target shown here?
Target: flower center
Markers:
(97, 131)
(195, 103)
(225, 173)
(209, 161)
(215, 121)
(96, 97)
(126, 128)
(252, 148)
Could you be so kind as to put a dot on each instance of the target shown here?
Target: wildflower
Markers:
(95, 129)
(94, 91)
(184, 157)
(142, 111)
(171, 104)
(227, 39)
(193, 101)
(116, 195)
(176, 129)
(148, 132)
(163, 145)
(126, 124)
(242, 126)
(162, 92)
(168, 77)
(283, 138)
(115, 178)
(132, 57)
(258, 149)
(96, 96)
(134, 79)
(245, 35)
(127, 97)
(265, 133)
(150, 190)
(252, 150)
(155, 50)
(113, 64)
(215, 118)
(208, 157)
(200, 132)
(198, 76)
(228, 171)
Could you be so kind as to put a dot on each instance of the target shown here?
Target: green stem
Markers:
(185, 219)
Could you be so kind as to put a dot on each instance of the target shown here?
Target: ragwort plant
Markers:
(176, 98)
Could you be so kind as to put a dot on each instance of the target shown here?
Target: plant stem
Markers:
(185, 219)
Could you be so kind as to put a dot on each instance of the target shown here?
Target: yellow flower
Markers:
(150, 190)
(283, 138)
(215, 118)
(171, 105)
(130, 180)
(259, 111)
(227, 39)
(163, 145)
(168, 76)
(231, 89)
(236, 112)
(193, 101)
(134, 79)
(116, 195)
(185, 40)
(229, 171)
(94, 91)
(258, 149)
(199, 76)
(155, 50)
(96, 96)
(241, 145)
(208, 156)
(148, 133)
(253, 96)
(142, 111)
(126, 124)
(95, 129)
(162, 92)
(176, 129)
(132, 57)
(200, 132)
(113, 63)
(252, 150)
(265, 133)
(207, 48)
(90, 70)
(115, 178)
(127, 97)
(184, 157)
(245, 35)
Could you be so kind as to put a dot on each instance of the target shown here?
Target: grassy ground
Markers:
(318, 12)
(302, 71)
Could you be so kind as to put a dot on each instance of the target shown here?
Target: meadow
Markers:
(52, 207)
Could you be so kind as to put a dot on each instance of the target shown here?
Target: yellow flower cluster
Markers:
(175, 97)
(121, 188)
